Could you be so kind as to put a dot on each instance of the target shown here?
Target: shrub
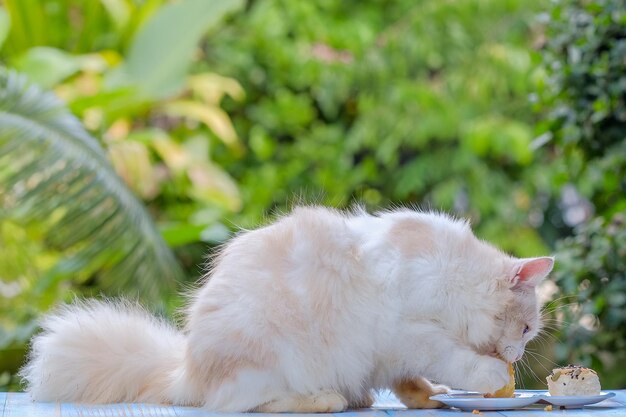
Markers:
(584, 96)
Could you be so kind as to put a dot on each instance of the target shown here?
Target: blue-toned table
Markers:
(20, 405)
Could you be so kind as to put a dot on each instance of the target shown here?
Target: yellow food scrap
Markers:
(477, 412)
(548, 407)
(508, 390)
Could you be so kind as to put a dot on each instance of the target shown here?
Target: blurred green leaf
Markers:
(159, 57)
(47, 66)
(216, 234)
(5, 25)
(119, 10)
(212, 116)
(181, 233)
(212, 87)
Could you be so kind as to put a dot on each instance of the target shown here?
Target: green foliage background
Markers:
(584, 100)
(503, 111)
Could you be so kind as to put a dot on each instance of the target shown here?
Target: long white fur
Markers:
(320, 300)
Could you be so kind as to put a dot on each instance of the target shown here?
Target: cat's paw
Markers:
(328, 401)
(416, 393)
(440, 389)
(490, 375)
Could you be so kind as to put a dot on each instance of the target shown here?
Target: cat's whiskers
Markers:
(554, 324)
(556, 302)
(556, 307)
(518, 380)
(529, 369)
(545, 358)
(550, 328)
(541, 340)
(547, 334)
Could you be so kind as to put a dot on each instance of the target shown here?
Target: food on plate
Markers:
(573, 380)
(508, 390)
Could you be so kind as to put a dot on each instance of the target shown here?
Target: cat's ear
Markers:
(531, 271)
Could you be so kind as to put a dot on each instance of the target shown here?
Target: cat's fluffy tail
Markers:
(103, 352)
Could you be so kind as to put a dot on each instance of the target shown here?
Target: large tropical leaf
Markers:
(163, 48)
(52, 173)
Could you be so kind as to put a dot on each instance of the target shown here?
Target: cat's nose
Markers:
(508, 353)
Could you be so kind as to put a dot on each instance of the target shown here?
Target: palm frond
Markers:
(53, 173)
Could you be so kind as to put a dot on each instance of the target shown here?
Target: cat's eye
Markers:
(526, 329)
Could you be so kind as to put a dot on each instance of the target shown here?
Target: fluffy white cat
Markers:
(309, 314)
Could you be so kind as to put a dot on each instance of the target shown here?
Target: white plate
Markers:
(476, 401)
(576, 401)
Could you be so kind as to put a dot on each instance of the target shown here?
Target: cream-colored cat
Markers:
(309, 314)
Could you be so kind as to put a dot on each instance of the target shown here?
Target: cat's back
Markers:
(308, 240)
(300, 272)
(299, 252)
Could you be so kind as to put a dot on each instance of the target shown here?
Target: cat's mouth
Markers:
(493, 352)
(490, 351)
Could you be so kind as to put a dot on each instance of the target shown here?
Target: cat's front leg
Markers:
(438, 356)
(416, 392)
(490, 374)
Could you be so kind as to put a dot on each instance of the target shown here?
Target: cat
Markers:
(312, 313)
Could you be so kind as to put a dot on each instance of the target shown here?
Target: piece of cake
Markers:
(508, 390)
(573, 380)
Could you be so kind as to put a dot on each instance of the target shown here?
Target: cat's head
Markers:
(483, 296)
(519, 319)
(497, 310)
